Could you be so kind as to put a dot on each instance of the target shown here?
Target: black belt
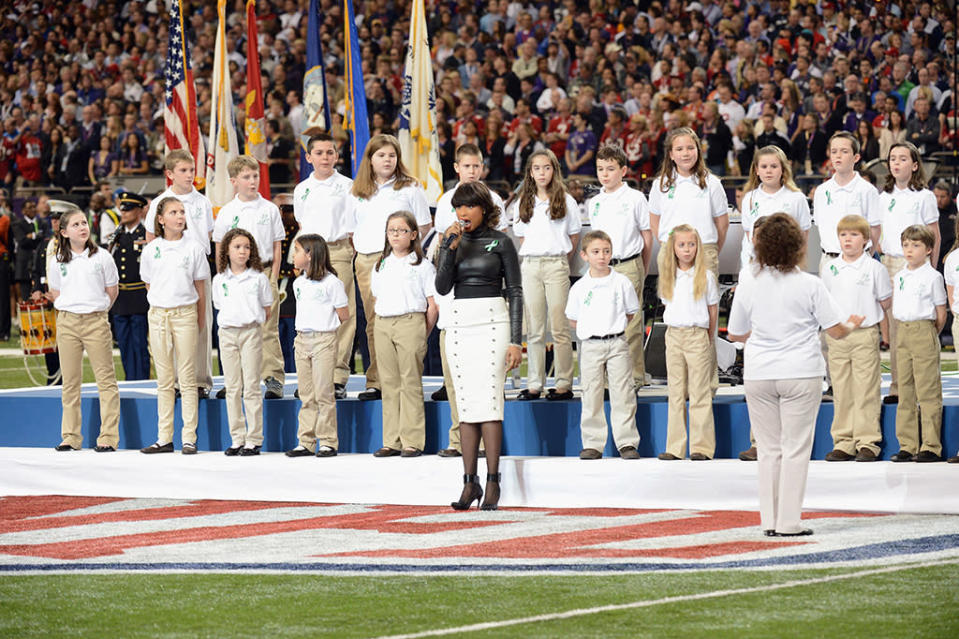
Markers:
(828, 254)
(607, 337)
(616, 261)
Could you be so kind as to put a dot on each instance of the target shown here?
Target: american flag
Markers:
(180, 126)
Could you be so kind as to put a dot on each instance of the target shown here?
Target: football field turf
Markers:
(919, 600)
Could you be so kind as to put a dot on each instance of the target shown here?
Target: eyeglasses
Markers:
(398, 231)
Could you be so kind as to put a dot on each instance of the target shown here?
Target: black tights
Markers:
(492, 433)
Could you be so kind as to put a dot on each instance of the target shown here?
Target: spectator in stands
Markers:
(495, 150)
(132, 159)
(947, 218)
(868, 143)
(521, 145)
(581, 148)
(771, 135)
(922, 128)
(717, 139)
(809, 147)
(279, 151)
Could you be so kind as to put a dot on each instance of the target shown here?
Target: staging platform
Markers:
(31, 418)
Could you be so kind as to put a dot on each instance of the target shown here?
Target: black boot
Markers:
(471, 491)
(492, 492)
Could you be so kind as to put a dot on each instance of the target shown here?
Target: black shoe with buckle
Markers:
(250, 451)
(233, 451)
(326, 451)
(339, 391)
(274, 389)
(65, 447)
(554, 395)
(104, 449)
(370, 394)
(526, 395)
(299, 451)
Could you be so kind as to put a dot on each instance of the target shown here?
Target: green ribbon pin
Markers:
(892, 204)
(226, 291)
(902, 283)
(833, 269)
(828, 197)
(489, 247)
(156, 255)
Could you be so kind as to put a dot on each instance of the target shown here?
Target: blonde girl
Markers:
(771, 189)
(403, 286)
(321, 306)
(82, 282)
(547, 223)
(174, 269)
(242, 294)
(382, 186)
(685, 192)
(691, 294)
(903, 202)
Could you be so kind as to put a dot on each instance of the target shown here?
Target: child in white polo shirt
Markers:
(950, 269)
(860, 286)
(600, 306)
(320, 207)
(83, 284)
(241, 293)
(691, 295)
(321, 307)
(403, 285)
(250, 211)
(904, 201)
(175, 271)
(919, 305)
(623, 214)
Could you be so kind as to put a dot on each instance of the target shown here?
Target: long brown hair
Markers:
(917, 181)
(64, 252)
(223, 259)
(556, 189)
(161, 207)
(364, 186)
(668, 264)
(315, 247)
(415, 246)
(667, 169)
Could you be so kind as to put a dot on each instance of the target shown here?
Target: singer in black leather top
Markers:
(483, 338)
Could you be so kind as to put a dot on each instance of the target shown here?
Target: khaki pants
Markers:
(783, 414)
(893, 265)
(272, 359)
(365, 262)
(203, 352)
(241, 351)
(636, 329)
(711, 258)
(173, 337)
(451, 394)
(854, 366)
(341, 257)
(315, 355)
(401, 344)
(89, 331)
(600, 359)
(545, 290)
(690, 361)
(919, 381)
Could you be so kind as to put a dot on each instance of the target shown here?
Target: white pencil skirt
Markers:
(477, 338)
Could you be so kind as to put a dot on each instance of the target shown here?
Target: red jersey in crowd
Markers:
(535, 120)
(563, 126)
(28, 157)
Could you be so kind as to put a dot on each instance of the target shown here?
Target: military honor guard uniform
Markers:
(130, 310)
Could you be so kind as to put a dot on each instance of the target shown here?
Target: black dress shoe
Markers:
(250, 452)
(890, 399)
(903, 456)
(299, 451)
(802, 533)
(526, 395)
(157, 448)
(769, 532)
(202, 393)
(326, 451)
(105, 449)
(386, 451)
(558, 396)
(440, 395)
(449, 452)
(232, 451)
(65, 447)
(221, 394)
(837, 455)
(370, 394)
(339, 391)
(926, 456)
(274, 389)
(296, 392)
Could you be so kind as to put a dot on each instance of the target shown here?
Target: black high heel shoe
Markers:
(492, 492)
(471, 491)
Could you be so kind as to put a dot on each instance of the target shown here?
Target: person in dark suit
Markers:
(129, 312)
(35, 286)
(809, 146)
(28, 233)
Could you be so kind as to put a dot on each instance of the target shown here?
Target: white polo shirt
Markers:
(950, 268)
(917, 293)
(683, 311)
(401, 287)
(901, 209)
(319, 206)
(686, 203)
(369, 215)
(316, 303)
(758, 204)
(622, 214)
(783, 312)
(199, 216)
(83, 281)
(259, 216)
(242, 298)
(858, 287)
(171, 268)
(543, 236)
(599, 305)
(446, 214)
(832, 202)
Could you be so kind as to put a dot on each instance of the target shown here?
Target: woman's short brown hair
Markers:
(780, 243)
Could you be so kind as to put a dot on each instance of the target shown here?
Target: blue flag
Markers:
(356, 121)
(316, 103)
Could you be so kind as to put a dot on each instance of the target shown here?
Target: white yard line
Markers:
(579, 612)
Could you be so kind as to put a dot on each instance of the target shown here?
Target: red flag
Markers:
(181, 128)
(255, 115)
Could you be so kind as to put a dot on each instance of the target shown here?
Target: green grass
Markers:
(917, 602)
